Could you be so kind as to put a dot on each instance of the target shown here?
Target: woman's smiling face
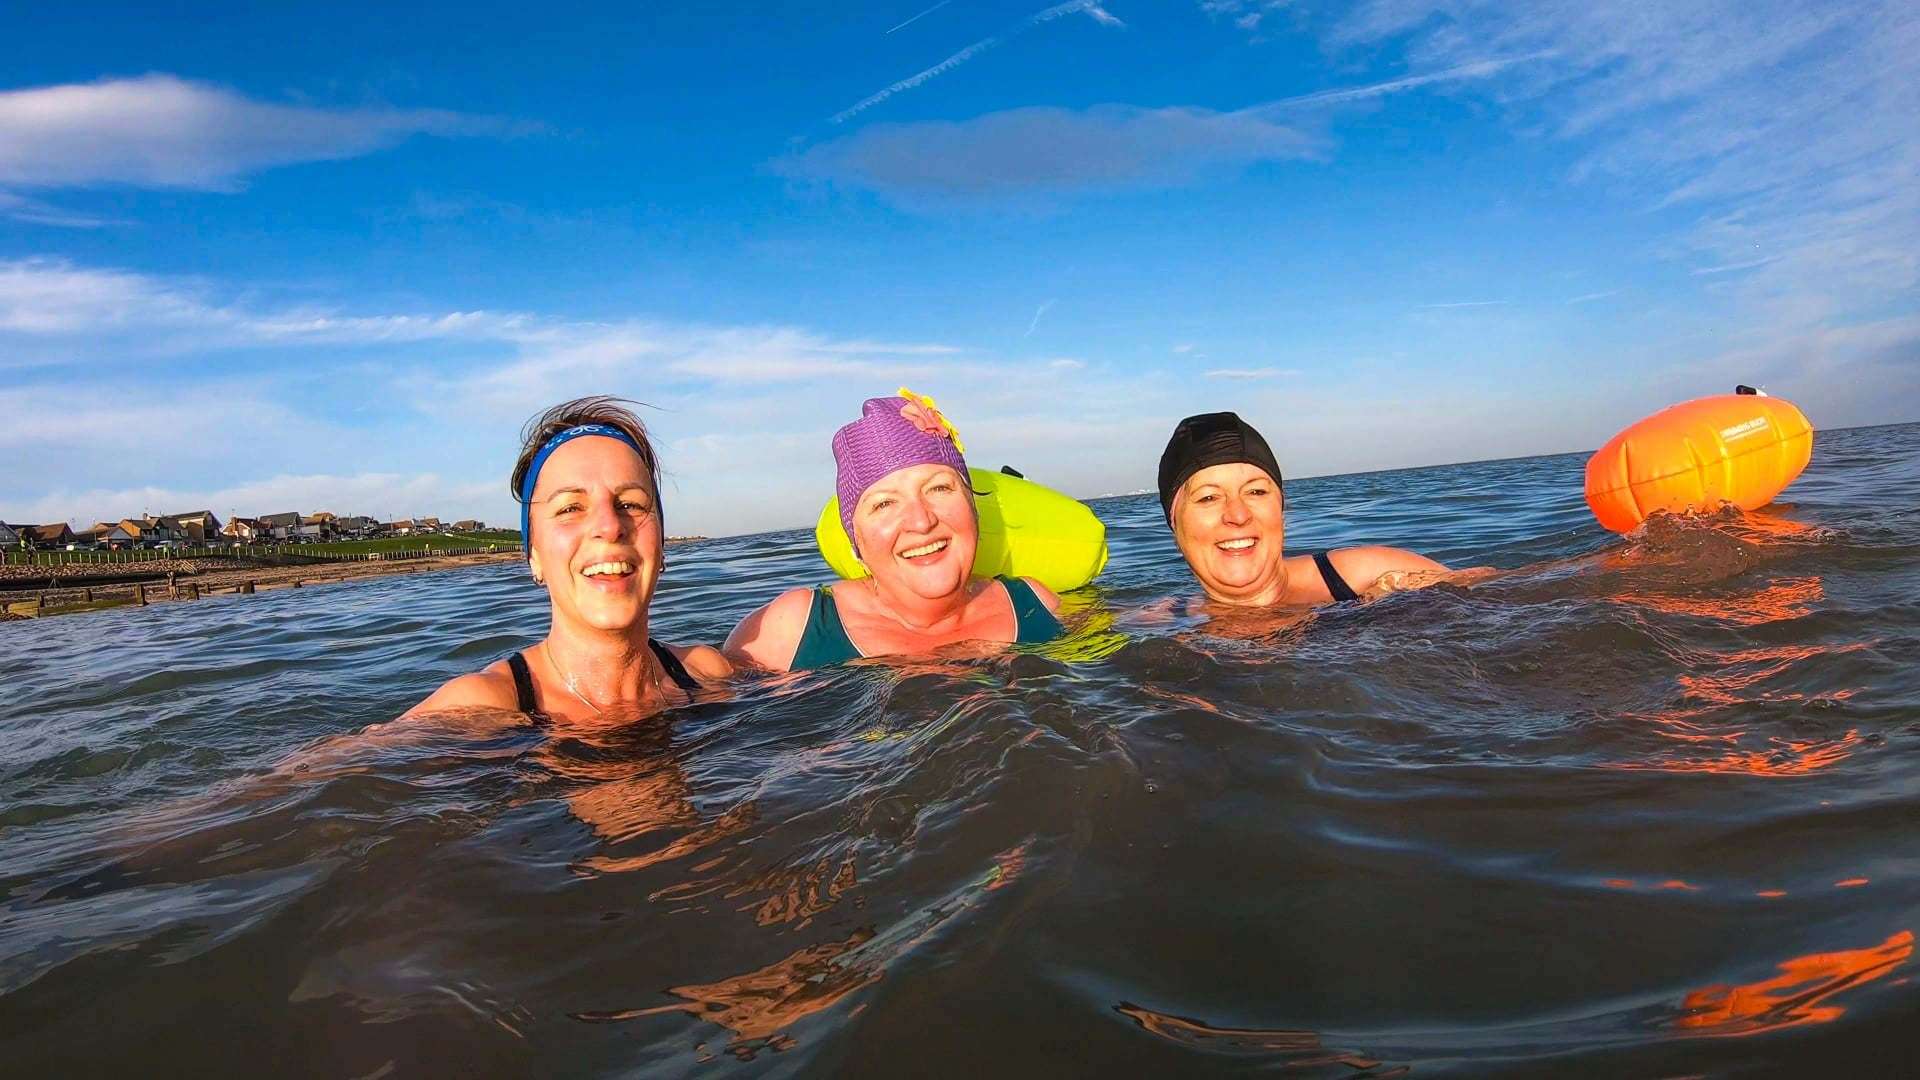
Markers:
(596, 533)
(915, 530)
(1230, 524)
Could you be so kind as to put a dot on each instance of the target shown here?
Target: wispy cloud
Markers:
(1245, 14)
(54, 301)
(1047, 150)
(136, 316)
(1733, 267)
(1251, 373)
(1035, 324)
(1104, 147)
(1788, 125)
(1476, 69)
(922, 15)
(1586, 298)
(1090, 7)
(35, 212)
(160, 131)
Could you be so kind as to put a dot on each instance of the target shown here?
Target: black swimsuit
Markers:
(1336, 584)
(523, 676)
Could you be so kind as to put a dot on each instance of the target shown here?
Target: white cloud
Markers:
(666, 361)
(46, 297)
(52, 300)
(1245, 14)
(1251, 373)
(91, 312)
(160, 131)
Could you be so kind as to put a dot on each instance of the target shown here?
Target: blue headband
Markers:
(540, 459)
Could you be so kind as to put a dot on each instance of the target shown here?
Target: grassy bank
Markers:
(491, 538)
(497, 538)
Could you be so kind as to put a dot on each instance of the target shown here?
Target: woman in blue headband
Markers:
(588, 485)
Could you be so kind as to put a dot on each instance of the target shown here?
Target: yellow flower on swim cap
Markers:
(927, 403)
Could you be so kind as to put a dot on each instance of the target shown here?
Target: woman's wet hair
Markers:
(599, 409)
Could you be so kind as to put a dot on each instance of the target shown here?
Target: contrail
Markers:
(922, 15)
(965, 55)
(1035, 324)
(1477, 70)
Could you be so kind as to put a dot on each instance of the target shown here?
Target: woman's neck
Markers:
(920, 614)
(602, 668)
(1275, 590)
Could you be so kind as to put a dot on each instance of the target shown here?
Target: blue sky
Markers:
(332, 257)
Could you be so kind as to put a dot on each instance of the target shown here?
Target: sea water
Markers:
(1640, 807)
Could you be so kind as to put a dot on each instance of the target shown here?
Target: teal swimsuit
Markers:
(825, 642)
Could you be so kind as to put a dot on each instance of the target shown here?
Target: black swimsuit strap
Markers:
(523, 675)
(522, 682)
(1336, 584)
(674, 668)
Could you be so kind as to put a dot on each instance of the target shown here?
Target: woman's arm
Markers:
(1389, 569)
(769, 637)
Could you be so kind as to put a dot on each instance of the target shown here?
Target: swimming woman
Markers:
(588, 484)
(906, 504)
(1220, 488)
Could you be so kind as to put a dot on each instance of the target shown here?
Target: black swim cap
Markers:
(1200, 442)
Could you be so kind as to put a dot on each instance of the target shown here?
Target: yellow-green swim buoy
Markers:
(1026, 530)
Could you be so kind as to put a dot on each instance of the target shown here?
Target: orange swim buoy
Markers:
(1742, 448)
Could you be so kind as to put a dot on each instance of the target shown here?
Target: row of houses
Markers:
(322, 527)
(168, 530)
(201, 528)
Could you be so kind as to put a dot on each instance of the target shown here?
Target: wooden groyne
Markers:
(61, 595)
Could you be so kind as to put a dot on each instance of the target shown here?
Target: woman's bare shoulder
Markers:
(703, 662)
(490, 688)
(769, 636)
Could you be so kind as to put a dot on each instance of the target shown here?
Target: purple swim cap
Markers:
(880, 442)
